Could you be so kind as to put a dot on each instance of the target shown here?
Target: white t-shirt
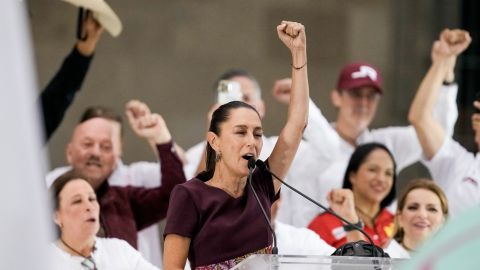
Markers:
(457, 172)
(395, 250)
(110, 254)
(300, 241)
(320, 165)
(139, 174)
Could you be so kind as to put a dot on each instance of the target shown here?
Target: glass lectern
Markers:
(283, 262)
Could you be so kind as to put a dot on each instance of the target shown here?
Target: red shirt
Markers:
(330, 229)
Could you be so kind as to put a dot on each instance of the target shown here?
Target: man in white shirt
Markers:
(356, 98)
(297, 241)
(251, 94)
(455, 169)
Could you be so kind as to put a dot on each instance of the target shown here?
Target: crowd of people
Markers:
(212, 198)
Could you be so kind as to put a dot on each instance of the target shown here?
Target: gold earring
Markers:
(218, 156)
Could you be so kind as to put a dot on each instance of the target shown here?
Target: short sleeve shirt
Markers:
(220, 226)
(457, 172)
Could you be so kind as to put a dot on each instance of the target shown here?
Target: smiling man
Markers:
(94, 151)
(91, 150)
(356, 97)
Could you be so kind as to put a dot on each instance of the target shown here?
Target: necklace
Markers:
(88, 263)
(370, 218)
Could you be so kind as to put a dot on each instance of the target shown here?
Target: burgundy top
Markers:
(220, 227)
(126, 210)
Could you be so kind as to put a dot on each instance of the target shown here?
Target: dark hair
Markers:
(61, 181)
(99, 111)
(219, 116)
(235, 72)
(358, 158)
(421, 183)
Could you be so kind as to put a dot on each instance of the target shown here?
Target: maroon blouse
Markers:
(221, 227)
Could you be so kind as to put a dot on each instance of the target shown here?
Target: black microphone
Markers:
(251, 167)
(260, 164)
(251, 164)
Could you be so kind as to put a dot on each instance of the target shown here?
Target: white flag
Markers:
(25, 219)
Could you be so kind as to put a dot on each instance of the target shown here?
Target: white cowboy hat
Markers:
(102, 13)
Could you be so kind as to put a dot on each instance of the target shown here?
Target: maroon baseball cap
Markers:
(360, 74)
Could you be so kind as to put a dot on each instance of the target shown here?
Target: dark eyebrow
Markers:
(246, 127)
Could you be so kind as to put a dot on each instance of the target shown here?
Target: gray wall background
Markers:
(170, 53)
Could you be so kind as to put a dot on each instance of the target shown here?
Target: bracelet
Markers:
(297, 68)
(349, 227)
(448, 83)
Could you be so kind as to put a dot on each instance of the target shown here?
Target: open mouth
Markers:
(248, 156)
(94, 162)
(91, 220)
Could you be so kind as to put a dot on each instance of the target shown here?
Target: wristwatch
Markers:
(349, 227)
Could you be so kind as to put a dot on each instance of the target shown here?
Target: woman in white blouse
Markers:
(422, 210)
(77, 214)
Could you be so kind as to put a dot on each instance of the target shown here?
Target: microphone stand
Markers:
(262, 166)
(251, 167)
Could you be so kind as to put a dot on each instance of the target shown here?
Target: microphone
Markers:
(378, 252)
(251, 167)
(251, 164)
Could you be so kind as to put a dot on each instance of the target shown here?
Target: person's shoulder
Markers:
(395, 250)
(55, 173)
(292, 230)
(451, 146)
(326, 218)
(451, 152)
(112, 244)
(110, 241)
(389, 130)
(193, 183)
(192, 186)
(385, 215)
(197, 147)
(140, 165)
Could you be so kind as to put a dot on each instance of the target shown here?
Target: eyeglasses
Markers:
(89, 264)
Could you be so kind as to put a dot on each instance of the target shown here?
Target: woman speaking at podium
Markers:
(214, 219)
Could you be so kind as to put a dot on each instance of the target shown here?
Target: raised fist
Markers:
(457, 40)
(342, 202)
(292, 34)
(281, 90)
(145, 124)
